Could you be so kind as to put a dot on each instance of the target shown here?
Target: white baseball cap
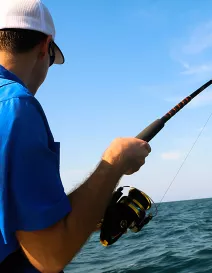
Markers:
(31, 15)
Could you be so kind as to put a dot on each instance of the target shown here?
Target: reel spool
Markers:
(123, 213)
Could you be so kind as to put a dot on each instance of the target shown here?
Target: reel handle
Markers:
(150, 131)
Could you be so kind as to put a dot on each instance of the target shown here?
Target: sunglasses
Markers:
(51, 53)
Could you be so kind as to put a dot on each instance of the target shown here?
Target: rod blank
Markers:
(154, 128)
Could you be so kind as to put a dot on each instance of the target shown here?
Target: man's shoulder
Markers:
(16, 99)
(10, 89)
(18, 106)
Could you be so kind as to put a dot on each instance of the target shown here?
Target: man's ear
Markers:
(44, 47)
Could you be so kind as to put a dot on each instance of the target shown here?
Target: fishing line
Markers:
(185, 158)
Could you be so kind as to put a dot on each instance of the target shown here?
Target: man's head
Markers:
(27, 45)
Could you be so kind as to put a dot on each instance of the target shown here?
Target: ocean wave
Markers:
(178, 240)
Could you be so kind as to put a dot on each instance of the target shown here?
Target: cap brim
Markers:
(59, 57)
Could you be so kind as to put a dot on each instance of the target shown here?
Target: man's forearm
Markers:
(89, 203)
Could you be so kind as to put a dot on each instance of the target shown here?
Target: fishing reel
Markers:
(122, 213)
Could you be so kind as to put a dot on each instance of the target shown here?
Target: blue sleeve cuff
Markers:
(45, 217)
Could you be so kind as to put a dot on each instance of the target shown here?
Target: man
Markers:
(41, 228)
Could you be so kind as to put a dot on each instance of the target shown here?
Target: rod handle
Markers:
(150, 131)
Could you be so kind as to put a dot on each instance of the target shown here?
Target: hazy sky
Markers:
(127, 63)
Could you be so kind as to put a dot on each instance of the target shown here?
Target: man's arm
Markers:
(50, 250)
(51, 227)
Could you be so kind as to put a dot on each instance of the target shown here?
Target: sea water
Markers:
(177, 240)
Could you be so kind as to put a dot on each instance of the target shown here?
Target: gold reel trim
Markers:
(145, 195)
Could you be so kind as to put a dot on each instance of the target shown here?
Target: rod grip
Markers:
(150, 131)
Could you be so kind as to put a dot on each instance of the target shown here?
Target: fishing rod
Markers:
(129, 212)
(154, 128)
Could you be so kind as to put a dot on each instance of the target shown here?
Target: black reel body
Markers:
(127, 212)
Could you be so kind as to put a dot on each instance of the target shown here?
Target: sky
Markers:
(128, 62)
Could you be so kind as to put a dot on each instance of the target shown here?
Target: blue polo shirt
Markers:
(32, 196)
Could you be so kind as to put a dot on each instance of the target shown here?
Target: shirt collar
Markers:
(6, 74)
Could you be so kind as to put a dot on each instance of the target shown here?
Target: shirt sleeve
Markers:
(34, 196)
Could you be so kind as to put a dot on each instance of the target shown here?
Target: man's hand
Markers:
(127, 154)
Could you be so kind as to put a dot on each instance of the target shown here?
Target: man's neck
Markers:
(19, 65)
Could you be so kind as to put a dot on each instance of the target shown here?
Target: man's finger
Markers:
(135, 167)
(147, 146)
